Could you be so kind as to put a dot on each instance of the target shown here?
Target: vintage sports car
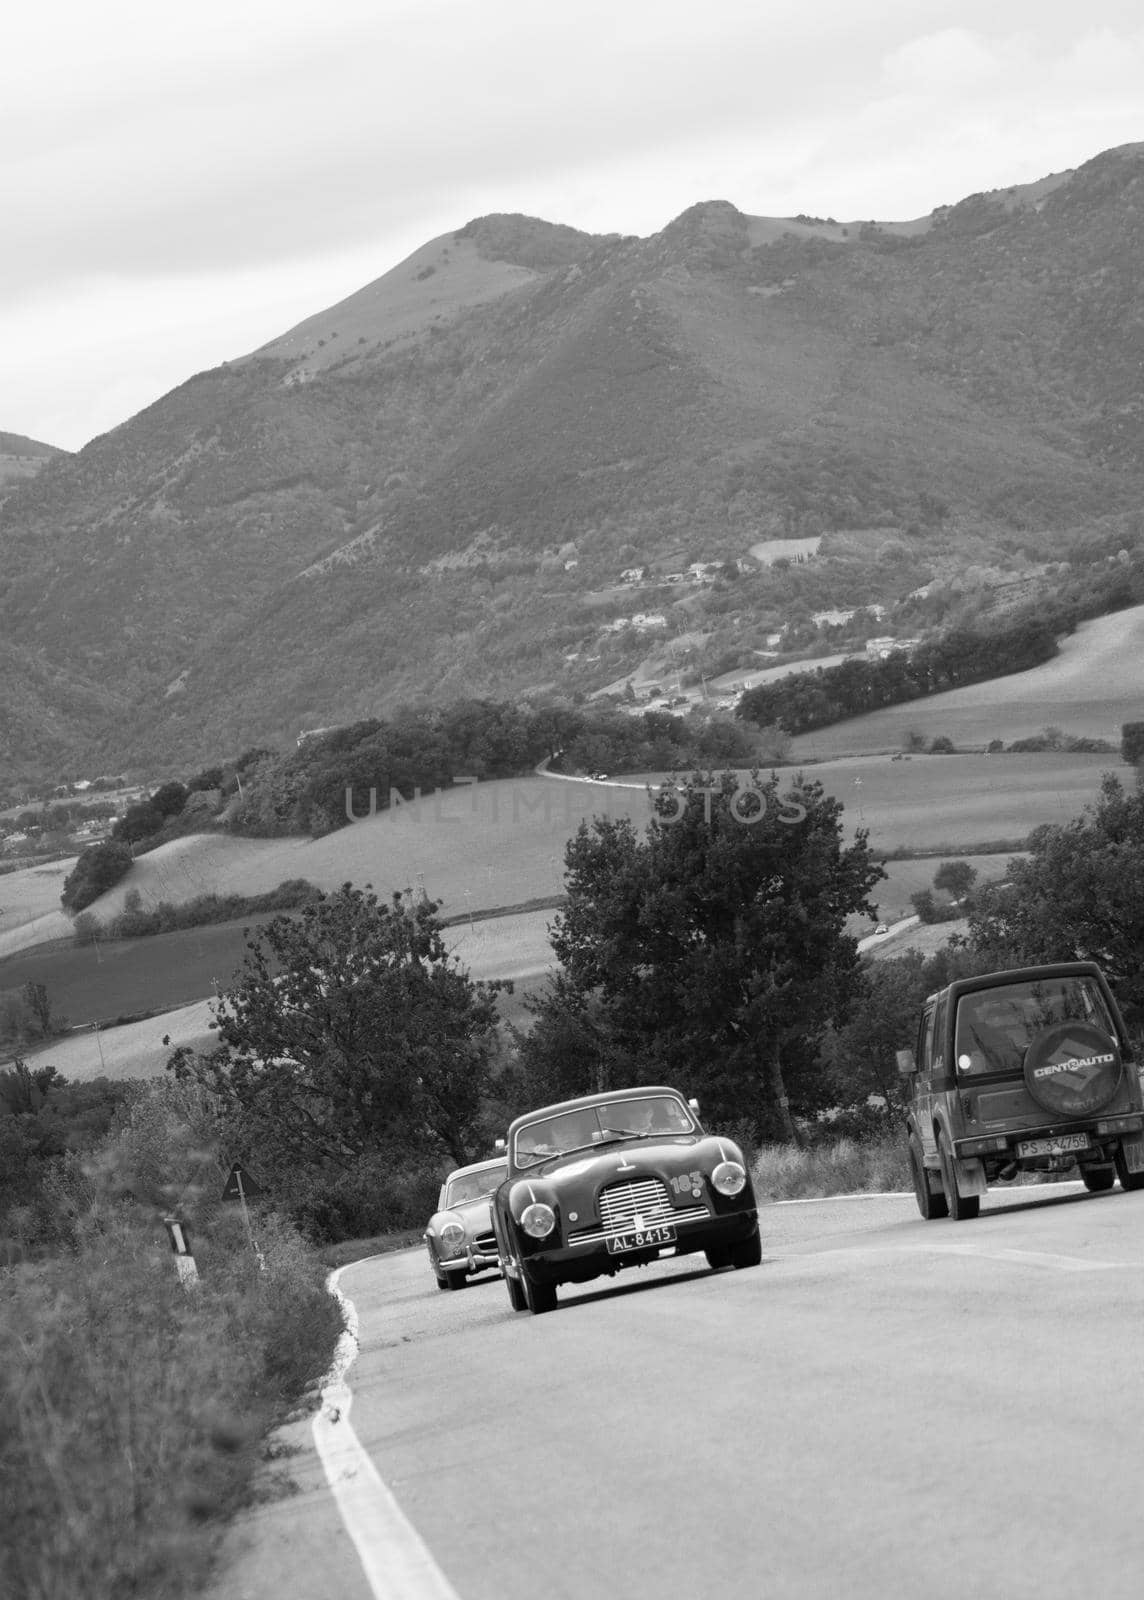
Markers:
(617, 1180)
(459, 1237)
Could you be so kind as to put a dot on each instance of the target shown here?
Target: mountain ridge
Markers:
(282, 540)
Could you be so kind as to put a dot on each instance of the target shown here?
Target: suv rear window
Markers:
(996, 1026)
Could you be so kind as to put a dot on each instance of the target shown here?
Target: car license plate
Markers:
(641, 1239)
(1053, 1147)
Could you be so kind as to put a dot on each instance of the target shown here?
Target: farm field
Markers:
(30, 894)
(96, 983)
(502, 844)
(904, 878)
(1094, 685)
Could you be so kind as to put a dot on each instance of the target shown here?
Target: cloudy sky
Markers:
(179, 184)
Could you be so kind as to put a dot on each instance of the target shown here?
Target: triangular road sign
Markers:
(248, 1190)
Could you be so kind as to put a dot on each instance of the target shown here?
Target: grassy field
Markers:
(31, 894)
(96, 983)
(1089, 689)
(503, 843)
(904, 878)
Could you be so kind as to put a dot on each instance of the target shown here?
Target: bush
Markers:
(134, 1407)
(874, 1165)
(98, 869)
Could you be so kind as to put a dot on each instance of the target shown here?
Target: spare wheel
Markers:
(1073, 1069)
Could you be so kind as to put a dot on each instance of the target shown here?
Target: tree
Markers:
(1078, 895)
(712, 951)
(351, 1029)
(97, 869)
(861, 1054)
(956, 878)
(1131, 743)
(39, 1003)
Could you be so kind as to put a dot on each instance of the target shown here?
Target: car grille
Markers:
(485, 1244)
(627, 1206)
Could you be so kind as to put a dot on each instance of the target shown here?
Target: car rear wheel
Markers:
(1098, 1179)
(962, 1208)
(539, 1297)
(930, 1205)
(1128, 1180)
(747, 1252)
(515, 1293)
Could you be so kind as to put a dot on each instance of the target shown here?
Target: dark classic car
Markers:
(460, 1238)
(617, 1180)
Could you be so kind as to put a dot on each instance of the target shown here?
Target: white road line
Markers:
(907, 1194)
(396, 1563)
(1020, 1258)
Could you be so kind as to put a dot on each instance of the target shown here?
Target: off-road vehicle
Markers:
(1023, 1070)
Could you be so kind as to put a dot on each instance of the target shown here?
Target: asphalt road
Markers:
(883, 1407)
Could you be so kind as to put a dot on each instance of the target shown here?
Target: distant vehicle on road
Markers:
(460, 1238)
(617, 1180)
(881, 928)
(598, 777)
(1029, 1069)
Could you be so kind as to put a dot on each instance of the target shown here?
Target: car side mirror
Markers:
(907, 1066)
(499, 1146)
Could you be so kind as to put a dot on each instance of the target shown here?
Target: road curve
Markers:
(884, 1406)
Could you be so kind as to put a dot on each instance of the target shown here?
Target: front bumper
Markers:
(588, 1256)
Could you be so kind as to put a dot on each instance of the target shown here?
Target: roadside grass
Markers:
(348, 1251)
(135, 1409)
(875, 1165)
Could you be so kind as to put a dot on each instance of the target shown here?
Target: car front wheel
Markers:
(515, 1293)
(747, 1252)
(539, 1297)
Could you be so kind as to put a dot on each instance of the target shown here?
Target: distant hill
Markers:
(432, 487)
(22, 458)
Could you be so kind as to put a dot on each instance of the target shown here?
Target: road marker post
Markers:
(237, 1187)
(180, 1239)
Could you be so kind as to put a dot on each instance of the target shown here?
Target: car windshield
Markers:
(473, 1185)
(996, 1026)
(641, 1117)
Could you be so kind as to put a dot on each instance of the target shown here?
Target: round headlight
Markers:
(452, 1234)
(729, 1177)
(538, 1220)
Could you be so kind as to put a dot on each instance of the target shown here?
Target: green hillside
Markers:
(433, 486)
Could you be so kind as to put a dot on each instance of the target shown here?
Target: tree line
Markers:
(808, 700)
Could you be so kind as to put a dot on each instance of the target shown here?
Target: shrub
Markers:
(97, 869)
(134, 1408)
(874, 1165)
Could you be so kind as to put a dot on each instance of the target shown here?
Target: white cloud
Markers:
(176, 179)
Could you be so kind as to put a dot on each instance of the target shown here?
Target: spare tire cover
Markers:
(1073, 1069)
